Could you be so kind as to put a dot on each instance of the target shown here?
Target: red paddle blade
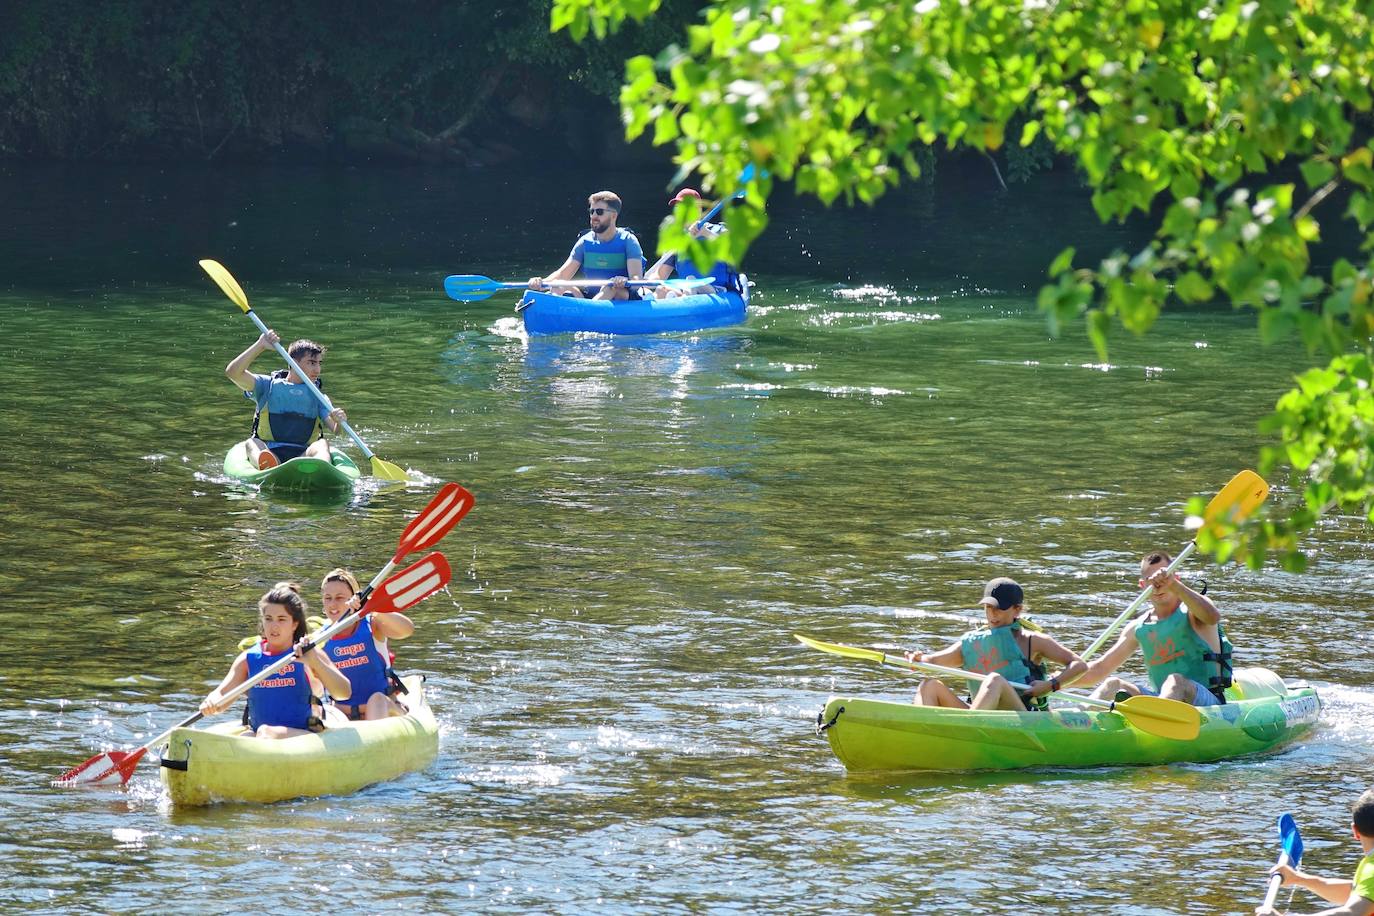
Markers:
(112, 768)
(445, 510)
(411, 585)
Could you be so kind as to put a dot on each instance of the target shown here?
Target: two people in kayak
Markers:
(353, 666)
(607, 252)
(603, 252)
(1187, 655)
(290, 419)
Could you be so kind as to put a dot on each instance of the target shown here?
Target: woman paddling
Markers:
(361, 652)
(281, 706)
(1004, 651)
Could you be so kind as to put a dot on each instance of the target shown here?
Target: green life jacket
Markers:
(996, 651)
(1172, 646)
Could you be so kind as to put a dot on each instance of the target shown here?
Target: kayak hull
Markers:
(876, 735)
(299, 475)
(217, 764)
(545, 313)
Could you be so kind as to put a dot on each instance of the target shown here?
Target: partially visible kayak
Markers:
(545, 313)
(1262, 714)
(300, 475)
(203, 766)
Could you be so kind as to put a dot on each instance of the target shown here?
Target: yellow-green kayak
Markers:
(1262, 713)
(203, 766)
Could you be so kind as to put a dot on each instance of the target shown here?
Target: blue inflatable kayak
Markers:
(548, 314)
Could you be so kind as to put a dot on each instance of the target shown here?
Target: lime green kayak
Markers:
(301, 475)
(202, 766)
(1262, 713)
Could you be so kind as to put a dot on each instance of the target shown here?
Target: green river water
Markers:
(627, 722)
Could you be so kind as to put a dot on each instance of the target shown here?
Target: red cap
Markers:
(683, 195)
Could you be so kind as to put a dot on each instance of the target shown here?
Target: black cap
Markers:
(1003, 592)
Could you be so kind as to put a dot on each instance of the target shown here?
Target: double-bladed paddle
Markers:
(403, 590)
(1241, 496)
(226, 282)
(474, 287)
(1290, 853)
(1153, 715)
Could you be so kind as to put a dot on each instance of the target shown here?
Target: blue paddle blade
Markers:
(470, 287)
(1290, 840)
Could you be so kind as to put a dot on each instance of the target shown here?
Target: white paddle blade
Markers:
(411, 585)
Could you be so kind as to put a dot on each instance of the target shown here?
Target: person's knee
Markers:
(1177, 687)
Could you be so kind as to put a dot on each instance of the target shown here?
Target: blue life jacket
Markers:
(604, 260)
(360, 660)
(282, 699)
(287, 413)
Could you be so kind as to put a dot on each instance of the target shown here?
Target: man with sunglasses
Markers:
(1187, 654)
(604, 252)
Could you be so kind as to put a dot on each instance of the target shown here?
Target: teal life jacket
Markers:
(290, 428)
(1172, 646)
(996, 651)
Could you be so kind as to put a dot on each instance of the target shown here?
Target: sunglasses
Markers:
(598, 211)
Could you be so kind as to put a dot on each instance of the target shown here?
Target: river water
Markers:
(627, 722)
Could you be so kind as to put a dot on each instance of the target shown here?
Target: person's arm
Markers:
(392, 626)
(237, 370)
(1072, 666)
(662, 268)
(214, 703)
(1332, 890)
(951, 656)
(1200, 608)
(1098, 669)
(333, 679)
(569, 270)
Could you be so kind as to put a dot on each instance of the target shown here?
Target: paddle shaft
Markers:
(1276, 881)
(305, 379)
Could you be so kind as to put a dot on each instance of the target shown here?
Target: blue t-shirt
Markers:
(291, 415)
(604, 260)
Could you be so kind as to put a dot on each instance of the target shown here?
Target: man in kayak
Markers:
(1187, 654)
(603, 252)
(289, 417)
(1354, 897)
(1008, 650)
(724, 274)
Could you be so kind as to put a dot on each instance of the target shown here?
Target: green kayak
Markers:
(299, 475)
(1262, 713)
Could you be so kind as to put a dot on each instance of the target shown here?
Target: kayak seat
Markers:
(1254, 684)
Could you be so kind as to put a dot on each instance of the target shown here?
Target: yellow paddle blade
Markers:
(386, 470)
(1165, 718)
(868, 655)
(226, 282)
(1237, 500)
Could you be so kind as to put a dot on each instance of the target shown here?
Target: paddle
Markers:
(403, 590)
(1153, 715)
(1290, 853)
(474, 287)
(383, 469)
(1235, 502)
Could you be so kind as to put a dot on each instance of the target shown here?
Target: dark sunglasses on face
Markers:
(598, 211)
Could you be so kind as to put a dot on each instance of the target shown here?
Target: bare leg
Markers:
(280, 731)
(1178, 687)
(934, 693)
(997, 693)
(318, 449)
(1108, 689)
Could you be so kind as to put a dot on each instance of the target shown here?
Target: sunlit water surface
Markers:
(627, 722)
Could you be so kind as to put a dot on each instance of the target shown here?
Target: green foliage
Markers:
(1181, 111)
